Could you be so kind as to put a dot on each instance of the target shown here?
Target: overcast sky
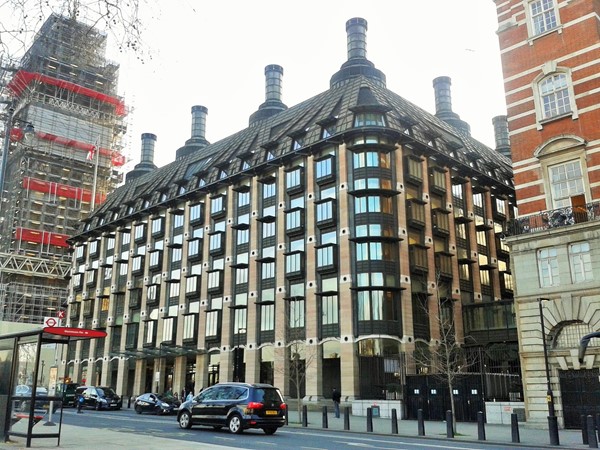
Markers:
(213, 53)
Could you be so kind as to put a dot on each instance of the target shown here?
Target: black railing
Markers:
(556, 218)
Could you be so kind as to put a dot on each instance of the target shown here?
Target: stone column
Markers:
(350, 385)
(139, 383)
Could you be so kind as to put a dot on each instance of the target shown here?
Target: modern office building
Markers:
(321, 236)
(550, 51)
(62, 155)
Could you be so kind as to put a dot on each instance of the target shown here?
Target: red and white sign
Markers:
(75, 332)
(62, 314)
(51, 322)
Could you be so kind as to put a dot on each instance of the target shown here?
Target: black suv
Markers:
(238, 406)
(101, 397)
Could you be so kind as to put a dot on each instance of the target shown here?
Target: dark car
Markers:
(68, 391)
(99, 397)
(237, 406)
(22, 397)
(156, 404)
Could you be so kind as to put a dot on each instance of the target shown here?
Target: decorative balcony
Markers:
(556, 218)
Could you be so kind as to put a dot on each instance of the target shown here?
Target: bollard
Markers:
(129, 403)
(325, 423)
(514, 428)
(480, 426)
(584, 431)
(449, 425)
(394, 421)
(304, 416)
(369, 420)
(287, 414)
(347, 418)
(591, 429)
(420, 422)
(597, 423)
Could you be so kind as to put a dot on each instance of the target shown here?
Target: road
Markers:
(148, 426)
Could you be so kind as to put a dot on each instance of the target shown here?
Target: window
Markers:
(217, 205)
(554, 95)
(189, 326)
(267, 317)
(566, 180)
(326, 256)
(543, 16)
(212, 323)
(329, 304)
(296, 318)
(196, 212)
(293, 179)
(324, 168)
(243, 198)
(580, 260)
(243, 236)
(376, 305)
(369, 120)
(547, 260)
(269, 190)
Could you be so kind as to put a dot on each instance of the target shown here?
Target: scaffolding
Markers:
(66, 88)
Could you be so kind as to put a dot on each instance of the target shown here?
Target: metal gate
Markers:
(430, 393)
(580, 393)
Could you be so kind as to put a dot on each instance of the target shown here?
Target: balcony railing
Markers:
(556, 218)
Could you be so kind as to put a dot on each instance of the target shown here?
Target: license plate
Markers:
(271, 413)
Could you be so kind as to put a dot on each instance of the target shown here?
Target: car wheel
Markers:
(185, 420)
(269, 431)
(235, 424)
(138, 409)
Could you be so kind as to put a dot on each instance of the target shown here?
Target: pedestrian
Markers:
(190, 396)
(79, 404)
(336, 396)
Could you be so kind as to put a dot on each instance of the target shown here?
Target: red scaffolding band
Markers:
(116, 158)
(41, 237)
(22, 79)
(61, 190)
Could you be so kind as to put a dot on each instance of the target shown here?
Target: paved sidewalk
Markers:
(466, 431)
(74, 437)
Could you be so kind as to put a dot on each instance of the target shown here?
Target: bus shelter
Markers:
(29, 407)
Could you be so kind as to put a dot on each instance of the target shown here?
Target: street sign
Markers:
(62, 314)
(50, 322)
(75, 332)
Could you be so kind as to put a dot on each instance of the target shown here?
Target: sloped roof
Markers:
(223, 160)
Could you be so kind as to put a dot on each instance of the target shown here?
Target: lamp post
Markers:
(552, 419)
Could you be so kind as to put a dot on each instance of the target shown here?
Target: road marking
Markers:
(266, 443)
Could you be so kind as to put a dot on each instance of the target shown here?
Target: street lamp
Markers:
(28, 133)
(552, 419)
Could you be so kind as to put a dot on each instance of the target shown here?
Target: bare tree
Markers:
(120, 19)
(300, 355)
(445, 358)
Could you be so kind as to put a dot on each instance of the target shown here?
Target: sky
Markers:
(213, 53)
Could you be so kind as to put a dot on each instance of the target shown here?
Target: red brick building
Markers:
(550, 52)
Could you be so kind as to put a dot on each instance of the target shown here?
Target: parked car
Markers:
(237, 406)
(156, 404)
(22, 397)
(68, 391)
(99, 397)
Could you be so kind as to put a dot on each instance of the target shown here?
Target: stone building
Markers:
(320, 236)
(550, 52)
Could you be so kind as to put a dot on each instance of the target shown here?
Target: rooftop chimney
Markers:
(198, 140)
(273, 104)
(146, 164)
(357, 64)
(501, 135)
(443, 105)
